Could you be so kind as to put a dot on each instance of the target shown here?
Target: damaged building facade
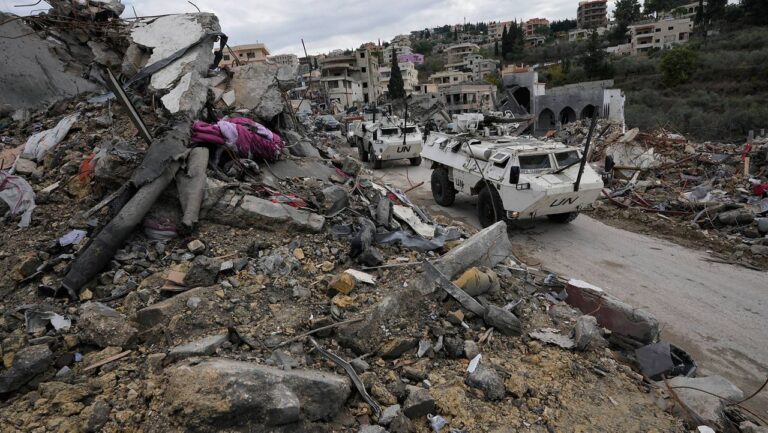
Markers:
(551, 108)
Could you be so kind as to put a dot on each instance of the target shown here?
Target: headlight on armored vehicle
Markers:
(513, 214)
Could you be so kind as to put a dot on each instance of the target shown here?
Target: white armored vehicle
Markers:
(514, 177)
(387, 139)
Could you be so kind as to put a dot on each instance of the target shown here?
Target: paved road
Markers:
(718, 313)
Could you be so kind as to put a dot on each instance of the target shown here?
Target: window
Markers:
(364, 69)
(566, 158)
(251, 55)
(365, 85)
(658, 40)
(333, 84)
(670, 28)
(534, 162)
(241, 54)
(226, 57)
(362, 55)
(658, 30)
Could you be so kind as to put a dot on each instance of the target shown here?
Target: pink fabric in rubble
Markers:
(251, 139)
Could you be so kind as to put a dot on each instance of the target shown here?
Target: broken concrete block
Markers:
(736, 217)
(28, 363)
(372, 429)
(165, 35)
(476, 281)
(487, 380)
(203, 347)
(105, 327)
(611, 313)
(389, 414)
(396, 346)
(189, 95)
(161, 312)
(334, 199)
(202, 273)
(343, 283)
(229, 98)
(706, 407)
(257, 89)
(503, 320)
(486, 248)
(419, 403)
(25, 167)
(585, 331)
(248, 211)
(221, 393)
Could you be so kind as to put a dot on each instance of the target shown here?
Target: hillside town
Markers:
(465, 228)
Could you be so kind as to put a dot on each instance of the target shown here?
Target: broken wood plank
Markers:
(107, 361)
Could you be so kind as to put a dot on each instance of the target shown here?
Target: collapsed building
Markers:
(178, 253)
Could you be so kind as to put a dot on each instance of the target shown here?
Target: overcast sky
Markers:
(331, 24)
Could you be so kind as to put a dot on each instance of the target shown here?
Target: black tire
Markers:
(490, 209)
(415, 161)
(563, 218)
(442, 187)
(361, 151)
(375, 162)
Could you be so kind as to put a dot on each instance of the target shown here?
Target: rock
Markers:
(454, 347)
(25, 167)
(155, 362)
(300, 292)
(503, 320)
(202, 272)
(95, 415)
(401, 424)
(202, 347)
(419, 403)
(342, 283)
(161, 312)
(220, 393)
(762, 225)
(471, 349)
(611, 313)
(371, 257)
(381, 394)
(759, 250)
(359, 365)
(389, 414)
(196, 246)
(552, 336)
(487, 380)
(28, 363)
(351, 166)
(334, 199)
(284, 408)
(250, 211)
(748, 427)
(105, 327)
(27, 266)
(736, 217)
(257, 89)
(372, 429)
(299, 146)
(585, 331)
(706, 407)
(455, 317)
(396, 346)
(282, 359)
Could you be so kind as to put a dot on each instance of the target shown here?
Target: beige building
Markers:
(583, 34)
(659, 34)
(401, 40)
(338, 80)
(533, 25)
(398, 50)
(592, 13)
(408, 71)
(361, 66)
(496, 29)
(252, 53)
(468, 97)
(457, 53)
(445, 78)
(425, 88)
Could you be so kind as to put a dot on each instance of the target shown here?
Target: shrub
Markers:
(678, 65)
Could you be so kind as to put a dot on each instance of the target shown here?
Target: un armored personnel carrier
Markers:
(386, 139)
(514, 177)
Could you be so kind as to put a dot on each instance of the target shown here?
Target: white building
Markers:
(398, 49)
(408, 71)
(457, 53)
(449, 77)
(659, 34)
(584, 34)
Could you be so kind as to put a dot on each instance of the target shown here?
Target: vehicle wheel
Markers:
(563, 218)
(361, 151)
(442, 187)
(415, 161)
(375, 162)
(489, 206)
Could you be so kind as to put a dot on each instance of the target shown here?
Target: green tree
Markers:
(756, 11)
(496, 49)
(396, 87)
(678, 65)
(504, 42)
(562, 25)
(455, 34)
(626, 13)
(595, 60)
(715, 9)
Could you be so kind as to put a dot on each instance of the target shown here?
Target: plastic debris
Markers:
(39, 144)
(17, 193)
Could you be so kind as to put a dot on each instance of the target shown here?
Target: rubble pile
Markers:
(709, 194)
(151, 281)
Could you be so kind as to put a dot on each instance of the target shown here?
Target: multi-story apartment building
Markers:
(360, 66)
(456, 53)
(496, 29)
(407, 70)
(532, 25)
(284, 59)
(592, 13)
(659, 34)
